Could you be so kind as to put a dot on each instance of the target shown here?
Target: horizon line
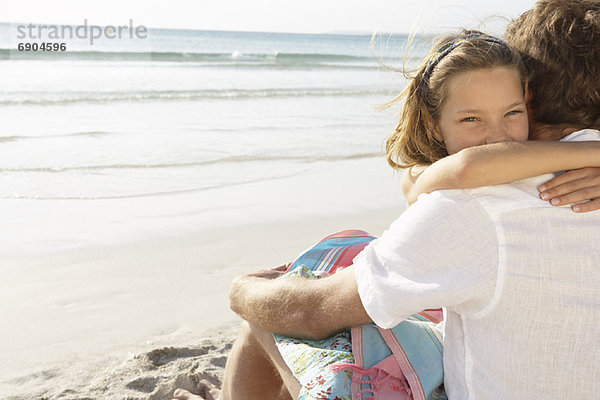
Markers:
(336, 32)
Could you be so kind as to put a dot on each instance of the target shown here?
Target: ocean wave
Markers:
(236, 57)
(5, 139)
(223, 160)
(53, 98)
(148, 194)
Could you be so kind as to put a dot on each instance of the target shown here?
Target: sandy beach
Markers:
(140, 318)
(129, 201)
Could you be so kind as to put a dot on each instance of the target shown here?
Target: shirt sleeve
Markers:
(441, 252)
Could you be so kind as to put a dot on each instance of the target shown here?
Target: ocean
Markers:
(182, 112)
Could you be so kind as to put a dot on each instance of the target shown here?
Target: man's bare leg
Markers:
(254, 370)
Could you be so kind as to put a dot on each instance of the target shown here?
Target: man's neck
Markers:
(550, 132)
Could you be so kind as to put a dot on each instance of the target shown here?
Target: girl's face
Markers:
(483, 106)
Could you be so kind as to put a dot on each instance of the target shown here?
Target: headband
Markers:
(446, 48)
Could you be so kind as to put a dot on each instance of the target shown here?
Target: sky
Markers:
(301, 16)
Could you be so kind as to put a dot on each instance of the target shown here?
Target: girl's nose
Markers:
(497, 133)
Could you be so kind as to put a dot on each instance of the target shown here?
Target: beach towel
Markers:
(404, 362)
(366, 362)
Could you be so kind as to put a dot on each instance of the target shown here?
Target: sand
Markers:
(152, 374)
(117, 349)
(110, 318)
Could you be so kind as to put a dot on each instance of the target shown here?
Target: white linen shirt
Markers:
(519, 280)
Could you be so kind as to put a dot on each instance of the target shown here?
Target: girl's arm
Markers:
(498, 163)
(411, 185)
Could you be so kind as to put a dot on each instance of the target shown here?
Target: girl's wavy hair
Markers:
(413, 141)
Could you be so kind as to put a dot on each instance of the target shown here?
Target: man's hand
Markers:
(574, 186)
(272, 273)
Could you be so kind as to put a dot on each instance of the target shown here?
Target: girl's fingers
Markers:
(576, 186)
(587, 207)
(571, 192)
(574, 195)
(592, 173)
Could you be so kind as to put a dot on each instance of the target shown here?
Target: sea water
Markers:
(184, 111)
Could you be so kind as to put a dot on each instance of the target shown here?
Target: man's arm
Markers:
(298, 307)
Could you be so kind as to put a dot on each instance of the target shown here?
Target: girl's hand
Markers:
(573, 187)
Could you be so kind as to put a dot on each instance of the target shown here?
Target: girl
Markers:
(435, 124)
(468, 92)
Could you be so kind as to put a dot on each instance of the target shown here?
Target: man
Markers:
(519, 278)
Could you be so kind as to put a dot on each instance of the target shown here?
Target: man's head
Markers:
(560, 44)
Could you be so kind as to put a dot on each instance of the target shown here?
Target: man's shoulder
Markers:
(582, 135)
(441, 204)
(487, 202)
(514, 196)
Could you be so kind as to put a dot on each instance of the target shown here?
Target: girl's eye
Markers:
(514, 112)
(469, 119)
